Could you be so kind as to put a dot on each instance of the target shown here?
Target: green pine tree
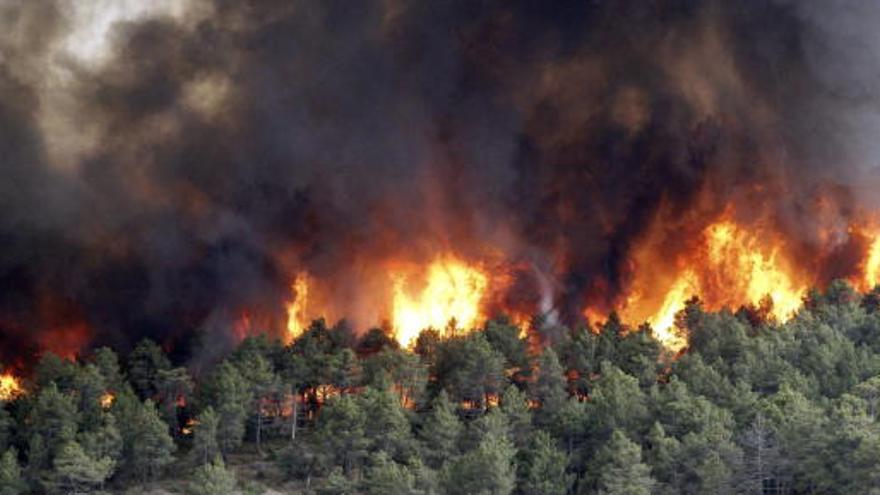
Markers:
(108, 363)
(227, 391)
(542, 468)
(515, 407)
(52, 423)
(341, 429)
(388, 428)
(144, 364)
(77, 472)
(337, 484)
(148, 445)
(386, 477)
(11, 481)
(212, 478)
(620, 468)
(488, 469)
(549, 388)
(205, 445)
(440, 432)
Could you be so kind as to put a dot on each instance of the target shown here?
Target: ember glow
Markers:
(10, 387)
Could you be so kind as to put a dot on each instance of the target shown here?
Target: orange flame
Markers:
(729, 267)
(107, 400)
(751, 271)
(872, 264)
(296, 309)
(663, 321)
(10, 387)
(453, 290)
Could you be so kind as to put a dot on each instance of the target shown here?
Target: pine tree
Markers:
(662, 455)
(488, 469)
(52, 423)
(11, 481)
(570, 424)
(515, 407)
(493, 424)
(505, 338)
(228, 393)
(762, 460)
(388, 428)
(341, 431)
(53, 369)
(213, 478)
(337, 484)
(89, 385)
(148, 446)
(440, 432)
(617, 402)
(105, 440)
(144, 363)
(470, 369)
(549, 388)
(386, 477)
(108, 363)
(77, 472)
(173, 386)
(542, 468)
(6, 427)
(205, 445)
(262, 381)
(404, 369)
(620, 468)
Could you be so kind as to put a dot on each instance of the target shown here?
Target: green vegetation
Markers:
(751, 407)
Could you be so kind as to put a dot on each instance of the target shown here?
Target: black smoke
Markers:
(212, 156)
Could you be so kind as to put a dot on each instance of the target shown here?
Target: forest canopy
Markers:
(751, 406)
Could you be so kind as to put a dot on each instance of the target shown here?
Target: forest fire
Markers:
(872, 264)
(452, 290)
(233, 227)
(728, 266)
(10, 387)
(297, 316)
(415, 298)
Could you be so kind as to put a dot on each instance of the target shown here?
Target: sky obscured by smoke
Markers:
(164, 167)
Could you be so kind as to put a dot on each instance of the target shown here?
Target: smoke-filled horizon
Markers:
(166, 169)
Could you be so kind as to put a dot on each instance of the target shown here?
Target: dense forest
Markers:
(752, 406)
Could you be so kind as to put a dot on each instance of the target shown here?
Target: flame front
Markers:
(746, 271)
(296, 310)
(663, 321)
(10, 387)
(453, 290)
(872, 264)
(726, 262)
(729, 267)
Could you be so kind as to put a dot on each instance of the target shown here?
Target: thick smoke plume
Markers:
(166, 171)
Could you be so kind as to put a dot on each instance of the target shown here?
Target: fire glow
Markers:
(297, 316)
(730, 267)
(453, 290)
(10, 387)
(726, 265)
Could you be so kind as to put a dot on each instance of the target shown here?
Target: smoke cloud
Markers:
(165, 168)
